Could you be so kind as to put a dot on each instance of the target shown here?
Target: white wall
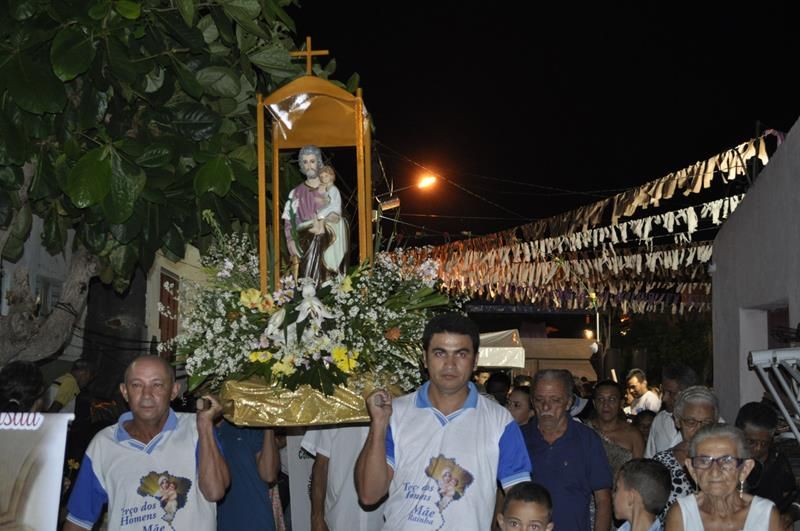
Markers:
(189, 269)
(757, 259)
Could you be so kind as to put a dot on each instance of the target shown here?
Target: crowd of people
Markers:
(470, 449)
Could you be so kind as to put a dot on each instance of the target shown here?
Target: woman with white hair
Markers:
(719, 463)
(696, 406)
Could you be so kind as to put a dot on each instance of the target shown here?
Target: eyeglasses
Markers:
(726, 463)
(693, 423)
(757, 443)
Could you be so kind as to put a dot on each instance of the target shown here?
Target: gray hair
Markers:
(720, 431)
(561, 375)
(311, 150)
(696, 394)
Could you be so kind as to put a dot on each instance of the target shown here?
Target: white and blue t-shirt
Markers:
(149, 486)
(446, 467)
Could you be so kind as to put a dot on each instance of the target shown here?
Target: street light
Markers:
(394, 202)
(427, 181)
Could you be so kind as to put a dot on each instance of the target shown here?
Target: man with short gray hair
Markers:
(156, 469)
(568, 457)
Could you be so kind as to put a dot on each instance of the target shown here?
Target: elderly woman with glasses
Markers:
(696, 406)
(719, 462)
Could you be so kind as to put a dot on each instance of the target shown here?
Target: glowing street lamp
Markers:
(427, 181)
(394, 202)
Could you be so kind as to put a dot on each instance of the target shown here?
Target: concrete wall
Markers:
(757, 268)
(187, 269)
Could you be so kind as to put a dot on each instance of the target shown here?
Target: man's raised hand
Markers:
(379, 406)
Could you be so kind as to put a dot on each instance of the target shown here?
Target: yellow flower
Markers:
(345, 361)
(339, 353)
(260, 356)
(347, 285)
(285, 367)
(250, 297)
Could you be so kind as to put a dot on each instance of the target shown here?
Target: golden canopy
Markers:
(312, 110)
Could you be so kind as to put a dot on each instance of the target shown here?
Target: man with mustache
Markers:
(568, 458)
(445, 423)
(151, 441)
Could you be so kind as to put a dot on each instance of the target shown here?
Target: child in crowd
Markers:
(641, 491)
(527, 506)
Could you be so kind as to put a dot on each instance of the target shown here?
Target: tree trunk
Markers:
(25, 337)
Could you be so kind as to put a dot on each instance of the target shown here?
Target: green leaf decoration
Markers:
(251, 8)
(155, 156)
(209, 29)
(353, 82)
(100, 9)
(219, 80)
(90, 180)
(188, 81)
(21, 225)
(22, 9)
(127, 182)
(128, 9)
(92, 109)
(11, 177)
(178, 30)
(93, 236)
(275, 60)
(196, 380)
(126, 232)
(246, 155)
(214, 176)
(276, 11)
(187, 10)
(13, 143)
(243, 17)
(120, 62)
(54, 233)
(13, 249)
(174, 242)
(154, 80)
(123, 260)
(32, 84)
(72, 53)
(6, 208)
(195, 122)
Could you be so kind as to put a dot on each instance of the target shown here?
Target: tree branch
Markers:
(48, 337)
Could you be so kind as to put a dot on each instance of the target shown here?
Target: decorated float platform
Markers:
(285, 330)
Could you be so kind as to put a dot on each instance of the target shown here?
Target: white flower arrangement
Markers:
(361, 328)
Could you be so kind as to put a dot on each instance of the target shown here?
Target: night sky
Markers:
(542, 111)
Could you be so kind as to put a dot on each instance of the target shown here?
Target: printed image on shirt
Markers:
(451, 479)
(169, 490)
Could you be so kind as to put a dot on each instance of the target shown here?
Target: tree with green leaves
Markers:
(122, 120)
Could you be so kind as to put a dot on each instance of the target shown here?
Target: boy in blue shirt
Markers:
(641, 491)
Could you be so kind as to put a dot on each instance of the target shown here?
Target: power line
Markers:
(412, 225)
(561, 191)
(487, 218)
(460, 187)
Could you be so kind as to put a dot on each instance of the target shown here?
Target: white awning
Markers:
(501, 349)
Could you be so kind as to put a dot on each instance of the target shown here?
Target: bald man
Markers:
(155, 467)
